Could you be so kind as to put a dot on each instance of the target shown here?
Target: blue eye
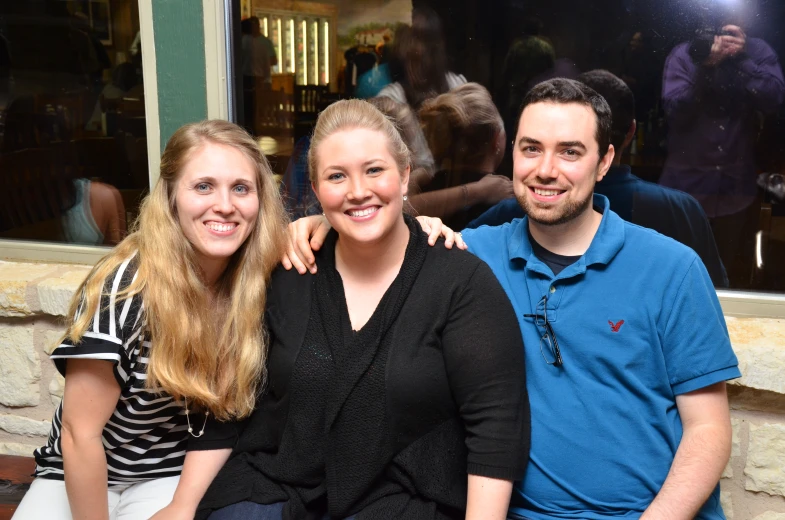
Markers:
(375, 169)
(202, 187)
(242, 189)
(335, 177)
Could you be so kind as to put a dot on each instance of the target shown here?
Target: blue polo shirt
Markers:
(638, 323)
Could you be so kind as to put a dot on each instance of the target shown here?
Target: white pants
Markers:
(47, 499)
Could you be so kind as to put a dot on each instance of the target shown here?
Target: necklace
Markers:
(188, 418)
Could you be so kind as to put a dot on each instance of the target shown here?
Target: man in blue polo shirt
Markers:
(627, 349)
(627, 352)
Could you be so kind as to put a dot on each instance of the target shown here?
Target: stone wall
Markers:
(34, 299)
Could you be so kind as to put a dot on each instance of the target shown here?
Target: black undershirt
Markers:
(557, 263)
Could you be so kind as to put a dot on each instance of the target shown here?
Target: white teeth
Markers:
(363, 213)
(216, 226)
(546, 193)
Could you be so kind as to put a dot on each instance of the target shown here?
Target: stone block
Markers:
(765, 468)
(52, 340)
(18, 449)
(770, 515)
(24, 426)
(735, 450)
(14, 279)
(20, 368)
(758, 344)
(735, 424)
(726, 501)
(56, 387)
(55, 293)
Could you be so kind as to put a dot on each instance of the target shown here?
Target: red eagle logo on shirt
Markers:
(616, 326)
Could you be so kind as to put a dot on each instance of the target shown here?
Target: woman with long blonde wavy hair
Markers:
(165, 334)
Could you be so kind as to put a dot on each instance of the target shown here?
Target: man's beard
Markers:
(571, 210)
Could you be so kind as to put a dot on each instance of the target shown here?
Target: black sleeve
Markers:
(483, 352)
(217, 434)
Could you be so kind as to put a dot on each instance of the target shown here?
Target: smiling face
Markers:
(359, 185)
(555, 161)
(217, 204)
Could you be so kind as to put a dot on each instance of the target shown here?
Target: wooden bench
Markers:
(15, 478)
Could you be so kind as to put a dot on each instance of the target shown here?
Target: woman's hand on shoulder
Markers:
(306, 235)
(435, 228)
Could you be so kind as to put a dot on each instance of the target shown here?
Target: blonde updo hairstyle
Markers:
(352, 114)
(461, 126)
(209, 351)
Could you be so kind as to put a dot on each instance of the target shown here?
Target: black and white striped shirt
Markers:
(146, 436)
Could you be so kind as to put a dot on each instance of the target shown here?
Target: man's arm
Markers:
(682, 84)
(307, 235)
(702, 455)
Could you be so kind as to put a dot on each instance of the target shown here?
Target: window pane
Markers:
(696, 90)
(73, 152)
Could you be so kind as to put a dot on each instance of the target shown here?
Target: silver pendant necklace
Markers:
(188, 418)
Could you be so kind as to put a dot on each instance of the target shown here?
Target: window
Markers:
(703, 137)
(73, 144)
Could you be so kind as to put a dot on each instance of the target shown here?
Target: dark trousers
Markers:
(253, 511)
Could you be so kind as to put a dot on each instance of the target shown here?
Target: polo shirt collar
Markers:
(608, 240)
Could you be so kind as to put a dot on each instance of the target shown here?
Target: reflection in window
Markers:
(706, 90)
(73, 153)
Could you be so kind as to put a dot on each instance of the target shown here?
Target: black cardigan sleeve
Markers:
(484, 357)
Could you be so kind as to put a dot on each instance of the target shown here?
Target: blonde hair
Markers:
(350, 114)
(461, 126)
(408, 126)
(213, 357)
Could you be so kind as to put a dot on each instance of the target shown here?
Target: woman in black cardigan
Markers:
(396, 383)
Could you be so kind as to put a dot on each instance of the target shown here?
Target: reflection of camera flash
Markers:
(758, 254)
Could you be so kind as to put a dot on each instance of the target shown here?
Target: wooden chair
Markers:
(15, 479)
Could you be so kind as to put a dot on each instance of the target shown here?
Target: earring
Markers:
(405, 198)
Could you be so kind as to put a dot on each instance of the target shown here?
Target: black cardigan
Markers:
(453, 397)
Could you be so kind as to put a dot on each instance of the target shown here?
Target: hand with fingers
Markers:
(730, 43)
(493, 188)
(435, 228)
(306, 235)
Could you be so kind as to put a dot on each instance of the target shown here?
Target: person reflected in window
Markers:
(97, 216)
(418, 61)
(671, 212)
(465, 134)
(396, 382)
(258, 56)
(640, 70)
(713, 88)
